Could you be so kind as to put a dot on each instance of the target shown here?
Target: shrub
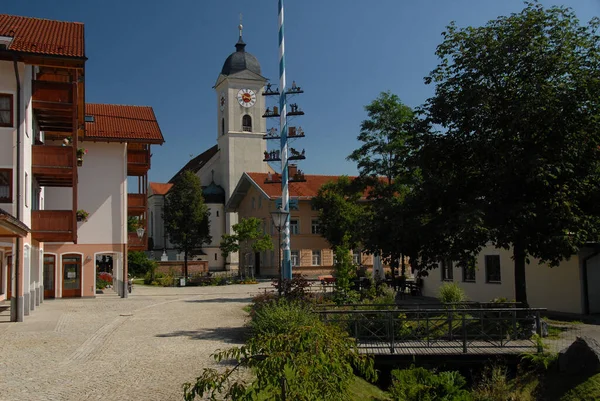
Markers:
(451, 293)
(298, 288)
(281, 316)
(419, 384)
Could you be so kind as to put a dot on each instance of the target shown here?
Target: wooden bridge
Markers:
(450, 330)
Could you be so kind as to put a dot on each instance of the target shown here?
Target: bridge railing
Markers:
(461, 329)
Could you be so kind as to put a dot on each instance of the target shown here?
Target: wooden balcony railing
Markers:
(136, 204)
(138, 162)
(51, 92)
(53, 226)
(137, 244)
(53, 165)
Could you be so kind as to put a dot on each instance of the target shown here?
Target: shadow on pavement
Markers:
(234, 335)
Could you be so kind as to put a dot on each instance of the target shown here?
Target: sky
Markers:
(343, 53)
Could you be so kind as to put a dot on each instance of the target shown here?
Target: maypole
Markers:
(285, 195)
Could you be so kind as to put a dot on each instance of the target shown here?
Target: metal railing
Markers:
(451, 329)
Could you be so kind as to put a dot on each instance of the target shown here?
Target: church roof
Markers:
(240, 60)
(159, 188)
(213, 193)
(121, 123)
(197, 162)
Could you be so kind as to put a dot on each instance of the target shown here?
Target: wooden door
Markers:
(8, 277)
(71, 276)
(49, 275)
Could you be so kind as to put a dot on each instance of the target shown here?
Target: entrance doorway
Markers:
(9, 277)
(257, 263)
(71, 267)
(49, 275)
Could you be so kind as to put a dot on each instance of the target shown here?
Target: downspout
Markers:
(17, 258)
(586, 295)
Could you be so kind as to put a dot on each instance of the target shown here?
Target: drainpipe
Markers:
(18, 300)
(586, 295)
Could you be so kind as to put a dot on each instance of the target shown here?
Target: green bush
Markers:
(451, 293)
(281, 316)
(419, 384)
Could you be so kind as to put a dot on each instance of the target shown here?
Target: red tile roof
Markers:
(307, 189)
(159, 188)
(43, 36)
(118, 123)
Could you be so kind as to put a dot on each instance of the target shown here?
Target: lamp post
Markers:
(279, 217)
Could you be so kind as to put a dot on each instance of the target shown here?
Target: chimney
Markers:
(292, 170)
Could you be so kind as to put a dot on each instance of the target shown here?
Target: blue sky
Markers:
(168, 54)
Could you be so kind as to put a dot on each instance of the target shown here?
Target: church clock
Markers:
(246, 97)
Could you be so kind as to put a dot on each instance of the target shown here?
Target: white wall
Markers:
(557, 289)
(8, 134)
(102, 183)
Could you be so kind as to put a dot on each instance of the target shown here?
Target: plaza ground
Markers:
(141, 348)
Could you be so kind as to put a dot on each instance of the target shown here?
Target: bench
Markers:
(327, 281)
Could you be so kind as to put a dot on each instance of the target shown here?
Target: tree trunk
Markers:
(403, 274)
(185, 266)
(520, 283)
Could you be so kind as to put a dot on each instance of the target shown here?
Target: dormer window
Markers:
(89, 119)
(247, 123)
(5, 42)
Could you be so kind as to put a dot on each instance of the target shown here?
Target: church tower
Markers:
(241, 128)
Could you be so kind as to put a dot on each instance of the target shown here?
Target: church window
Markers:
(215, 256)
(217, 213)
(247, 123)
(222, 126)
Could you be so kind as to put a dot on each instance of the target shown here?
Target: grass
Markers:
(589, 390)
(361, 390)
(138, 281)
(563, 322)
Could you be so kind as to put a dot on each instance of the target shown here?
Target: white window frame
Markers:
(316, 257)
(295, 228)
(314, 226)
(295, 258)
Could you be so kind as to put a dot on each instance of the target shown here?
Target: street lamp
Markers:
(140, 232)
(279, 217)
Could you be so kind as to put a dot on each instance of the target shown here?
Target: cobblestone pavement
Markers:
(141, 348)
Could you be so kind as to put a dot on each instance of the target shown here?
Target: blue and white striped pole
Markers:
(285, 195)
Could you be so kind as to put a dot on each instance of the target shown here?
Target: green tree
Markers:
(187, 217)
(138, 264)
(341, 212)
(344, 271)
(247, 239)
(388, 140)
(517, 159)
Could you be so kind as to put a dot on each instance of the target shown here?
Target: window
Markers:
(356, 257)
(447, 270)
(6, 110)
(313, 207)
(314, 226)
(222, 126)
(316, 257)
(217, 213)
(247, 123)
(215, 256)
(294, 226)
(253, 203)
(492, 268)
(295, 257)
(469, 273)
(259, 202)
(5, 186)
(89, 119)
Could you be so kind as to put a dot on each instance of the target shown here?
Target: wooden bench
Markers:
(327, 281)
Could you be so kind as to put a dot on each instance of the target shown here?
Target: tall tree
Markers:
(387, 137)
(517, 159)
(247, 239)
(187, 217)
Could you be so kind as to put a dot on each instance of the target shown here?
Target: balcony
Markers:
(53, 226)
(136, 204)
(53, 105)
(53, 165)
(136, 244)
(138, 162)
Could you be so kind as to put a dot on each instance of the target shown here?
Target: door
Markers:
(257, 263)
(49, 274)
(8, 277)
(71, 284)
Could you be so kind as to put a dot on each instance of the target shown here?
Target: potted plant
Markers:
(80, 153)
(82, 215)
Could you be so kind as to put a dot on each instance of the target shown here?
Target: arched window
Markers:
(222, 126)
(247, 123)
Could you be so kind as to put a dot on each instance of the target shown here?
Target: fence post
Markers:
(514, 335)
(391, 324)
(464, 332)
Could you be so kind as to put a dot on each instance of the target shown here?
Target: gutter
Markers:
(18, 300)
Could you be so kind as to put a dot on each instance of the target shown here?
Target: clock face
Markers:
(222, 101)
(246, 97)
